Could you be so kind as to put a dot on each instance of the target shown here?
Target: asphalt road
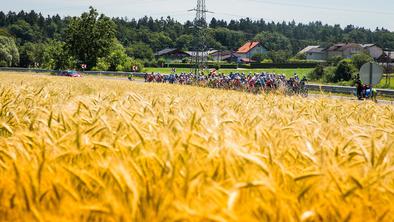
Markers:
(313, 95)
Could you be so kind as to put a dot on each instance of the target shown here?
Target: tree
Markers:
(9, 55)
(317, 72)
(55, 57)
(140, 51)
(184, 41)
(117, 60)
(157, 40)
(90, 37)
(274, 41)
(259, 57)
(300, 56)
(23, 32)
(228, 38)
(360, 59)
(344, 71)
(280, 56)
(47, 55)
(4, 32)
(334, 60)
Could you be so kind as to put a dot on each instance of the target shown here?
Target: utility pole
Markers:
(200, 26)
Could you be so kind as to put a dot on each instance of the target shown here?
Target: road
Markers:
(313, 95)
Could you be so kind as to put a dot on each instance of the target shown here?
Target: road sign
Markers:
(371, 73)
(84, 66)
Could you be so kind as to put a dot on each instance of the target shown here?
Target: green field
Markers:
(384, 84)
(287, 72)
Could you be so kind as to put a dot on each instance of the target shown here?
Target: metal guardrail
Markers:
(312, 87)
(109, 73)
(345, 89)
(14, 69)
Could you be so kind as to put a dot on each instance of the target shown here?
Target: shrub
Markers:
(267, 61)
(280, 56)
(259, 57)
(161, 62)
(360, 59)
(344, 71)
(102, 65)
(334, 60)
(328, 75)
(317, 73)
(300, 56)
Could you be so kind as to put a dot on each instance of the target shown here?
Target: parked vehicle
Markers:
(70, 73)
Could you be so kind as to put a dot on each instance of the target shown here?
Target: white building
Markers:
(249, 49)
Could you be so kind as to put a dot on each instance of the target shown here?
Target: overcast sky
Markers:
(364, 13)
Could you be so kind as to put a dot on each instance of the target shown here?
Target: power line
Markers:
(322, 7)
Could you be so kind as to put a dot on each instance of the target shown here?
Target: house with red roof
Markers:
(249, 49)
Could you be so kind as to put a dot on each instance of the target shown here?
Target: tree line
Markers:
(29, 39)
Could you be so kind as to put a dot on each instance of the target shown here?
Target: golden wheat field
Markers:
(105, 150)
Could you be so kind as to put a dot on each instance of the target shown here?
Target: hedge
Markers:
(283, 65)
(251, 66)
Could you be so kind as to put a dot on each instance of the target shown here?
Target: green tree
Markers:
(228, 38)
(140, 51)
(274, 41)
(334, 60)
(4, 32)
(9, 55)
(300, 56)
(90, 37)
(344, 71)
(47, 55)
(55, 57)
(317, 72)
(27, 54)
(280, 56)
(259, 57)
(117, 60)
(184, 42)
(329, 74)
(23, 32)
(360, 59)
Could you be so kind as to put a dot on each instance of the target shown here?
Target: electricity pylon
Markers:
(200, 29)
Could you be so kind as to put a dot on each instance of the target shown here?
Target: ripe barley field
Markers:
(104, 150)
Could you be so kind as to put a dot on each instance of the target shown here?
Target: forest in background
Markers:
(34, 40)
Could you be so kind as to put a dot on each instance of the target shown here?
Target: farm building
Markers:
(344, 50)
(226, 55)
(249, 49)
(172, 54)
(205, 54)
(374, 50)
(314, 53)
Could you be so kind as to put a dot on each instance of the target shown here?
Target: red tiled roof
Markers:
(247, 47)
